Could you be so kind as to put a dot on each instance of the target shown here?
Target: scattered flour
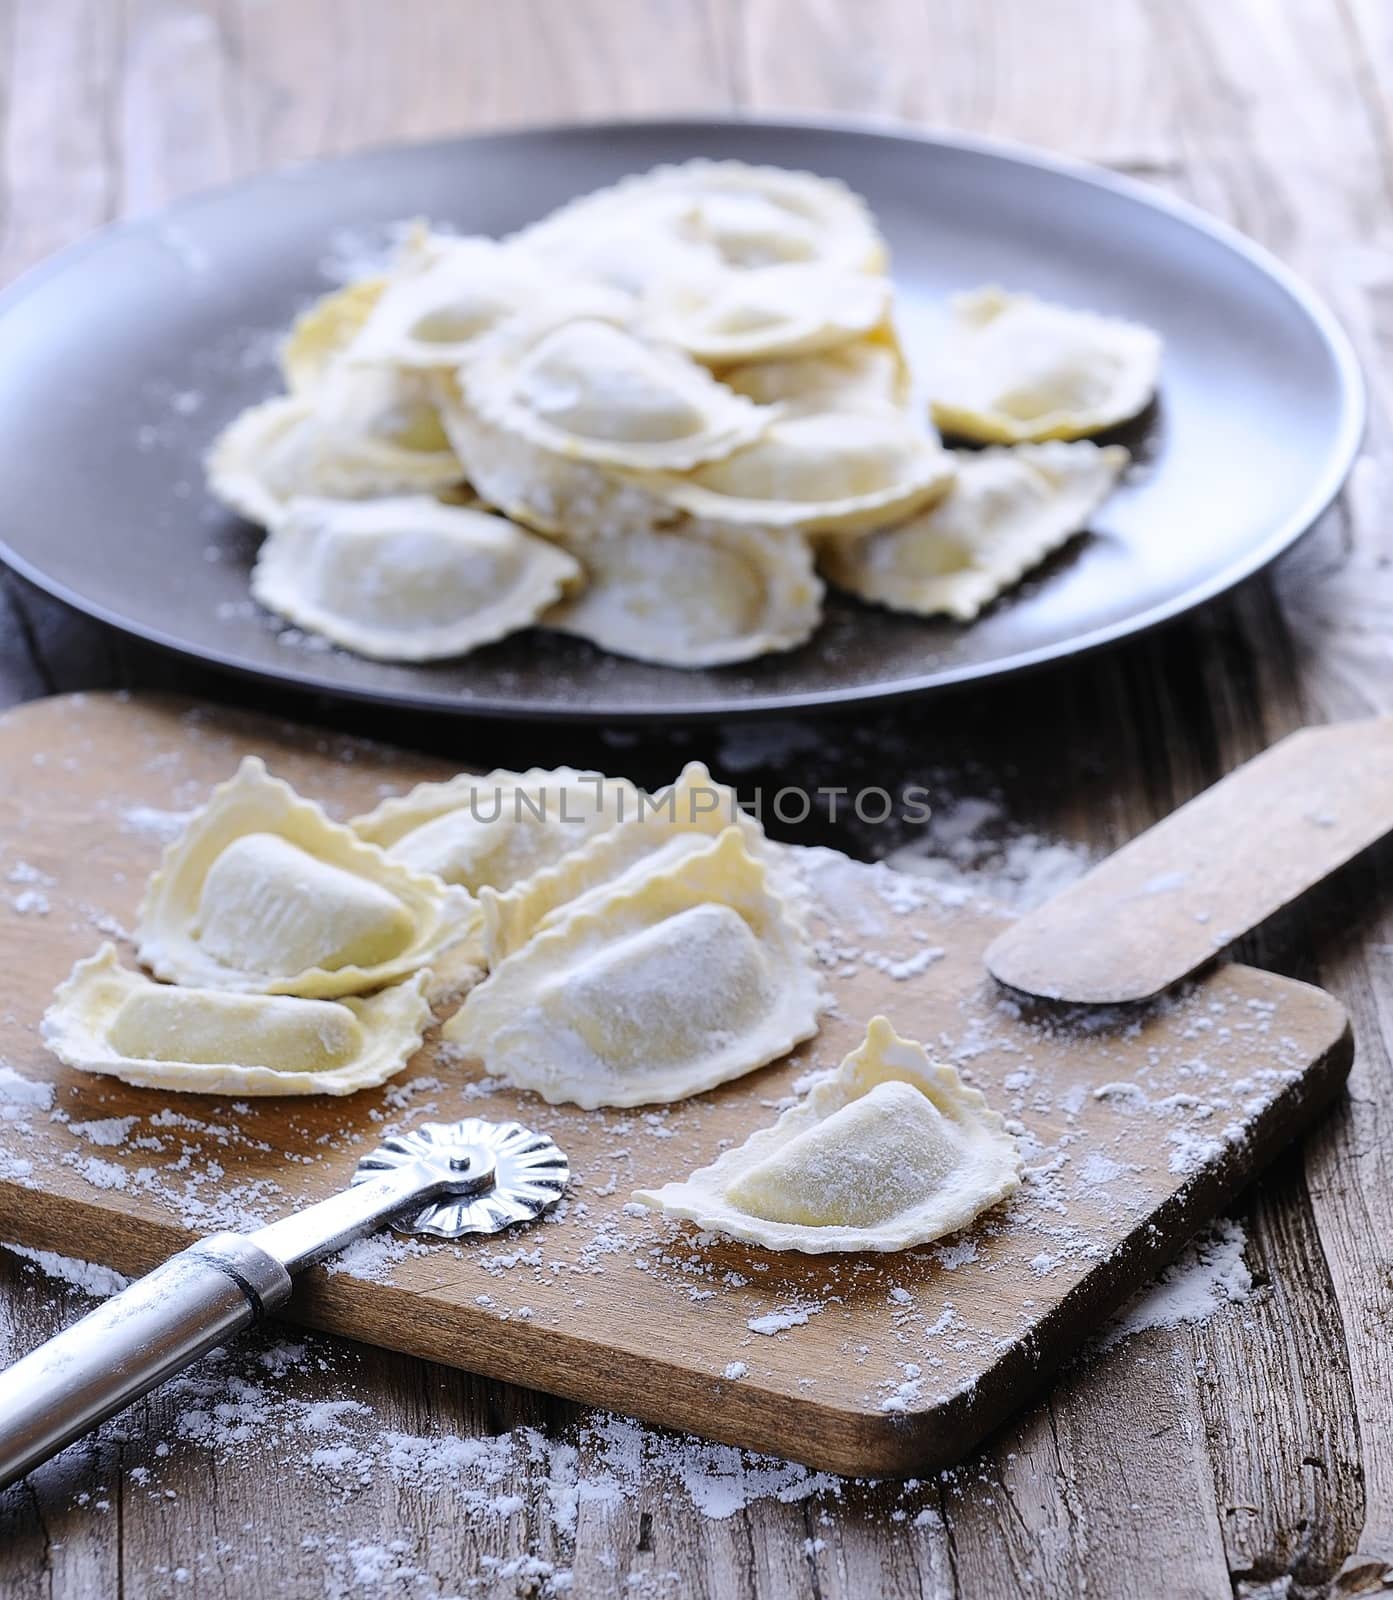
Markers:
(1208, 1275)
(19, 1094)
(85, 1275)
(375, 1258)
(970, 844)
(105, 1130)
(243, 1401)
(781, 1321)
(151, 823)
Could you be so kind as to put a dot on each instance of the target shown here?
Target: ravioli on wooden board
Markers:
(107, 1019)
(262, 893)
(649, 991)
(889, 1151)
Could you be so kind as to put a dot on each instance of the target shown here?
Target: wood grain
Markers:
(1161, 907)
(1089, 1092)
(1276, 115)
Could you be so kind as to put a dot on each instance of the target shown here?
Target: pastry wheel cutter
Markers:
(443, 1179)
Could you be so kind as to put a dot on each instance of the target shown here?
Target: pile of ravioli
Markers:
(658, 419)
(624, 949)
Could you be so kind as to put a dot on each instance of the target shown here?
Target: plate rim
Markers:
(1335, 469)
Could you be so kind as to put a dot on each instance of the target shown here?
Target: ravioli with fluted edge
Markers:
(1015, 369)
(889, 1151)
(363, 431)
(441, 296)
(499, 827)
(694, 594)
(869, 374)
(1007, 510)
(107, 1019)
(793, 309)
(579, 379)
(544, 489)
(263, 893)
(321, 334)
(691, 383)
(819, 472)
(651, 992)
(748, 216)
(407, 578)
(687, 816)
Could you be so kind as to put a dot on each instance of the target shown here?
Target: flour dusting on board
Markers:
(1091, 1141)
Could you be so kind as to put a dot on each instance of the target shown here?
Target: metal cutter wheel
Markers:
(444, 1179)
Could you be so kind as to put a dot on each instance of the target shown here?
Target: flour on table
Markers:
(92, 1279)
(1208, 1275)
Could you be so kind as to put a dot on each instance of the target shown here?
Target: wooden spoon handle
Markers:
(1167, 902)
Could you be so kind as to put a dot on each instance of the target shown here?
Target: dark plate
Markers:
(121, 358)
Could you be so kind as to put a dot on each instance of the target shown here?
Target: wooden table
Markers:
(1239, 1456)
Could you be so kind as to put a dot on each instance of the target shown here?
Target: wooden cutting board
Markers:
(1139, 1123)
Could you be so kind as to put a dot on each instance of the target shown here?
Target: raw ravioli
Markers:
(262, 893)
(577, 380)
(890, 1150)
(441, 297)
(1016, 369)
(107, 1019)
(1007, 510)
(868, 374)
(322, 334)
(747, 216)
(407, 578)
(650, 992)
(819, 472)
(694, 594)
(363, 431)
(796, 309)
(497, 827)
(544, 489)
(686, 817)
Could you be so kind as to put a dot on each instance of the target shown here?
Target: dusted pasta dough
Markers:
(819, 471)
(793, 309)
(362, 431)
(1016, 369)
(889, 1151)
(1007, 510)
(692, 384)
(568, 499)
(107, 1019)
(650, 991)
(496, 828)
(262, 893)
(320, 335)
(443, 294)
(868, 374)
(662, 828)
(407, 579)
(577, 380)
(746, 216)
(694, 594)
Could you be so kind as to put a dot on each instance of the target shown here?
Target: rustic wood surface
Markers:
(633, 1338)
(1249, 1455)
(1157, 909)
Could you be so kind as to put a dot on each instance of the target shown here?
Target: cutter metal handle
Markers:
(132, 1343)
(198, 1299)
